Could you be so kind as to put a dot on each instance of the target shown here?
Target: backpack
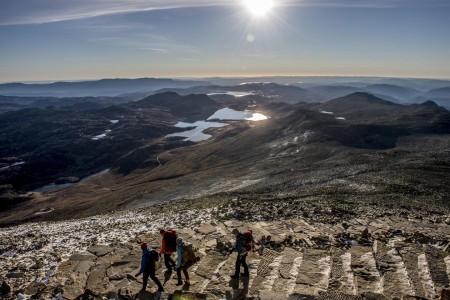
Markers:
(248, 240)
(170, 239)
(188, 257)
(152, 255)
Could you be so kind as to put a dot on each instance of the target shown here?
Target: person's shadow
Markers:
(237, 292)
(167, 275)
(186, 287)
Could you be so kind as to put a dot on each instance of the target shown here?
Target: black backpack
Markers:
(152, 255)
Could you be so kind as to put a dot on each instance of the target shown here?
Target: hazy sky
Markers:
(88, 39)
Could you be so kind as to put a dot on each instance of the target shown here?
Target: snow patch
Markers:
(19, 163)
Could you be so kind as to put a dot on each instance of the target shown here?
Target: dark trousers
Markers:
(241, 260)
(185, 272)
(150, 272)
(168, 261)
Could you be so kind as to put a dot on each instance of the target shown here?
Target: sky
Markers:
(92, 39)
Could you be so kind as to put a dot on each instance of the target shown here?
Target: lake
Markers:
(197, 135)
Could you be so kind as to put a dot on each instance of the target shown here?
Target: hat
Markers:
(235, 231)
(161, 231)
(144, 246)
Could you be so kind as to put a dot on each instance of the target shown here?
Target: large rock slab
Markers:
(100, 250)
(206, 229)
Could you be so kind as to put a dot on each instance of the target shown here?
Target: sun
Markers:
(259, 7)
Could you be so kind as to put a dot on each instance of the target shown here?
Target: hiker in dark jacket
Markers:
(182, 263)
(148, 266)
(239, 247)
(168, 246)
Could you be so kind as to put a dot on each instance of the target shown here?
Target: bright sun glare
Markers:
(259, 7)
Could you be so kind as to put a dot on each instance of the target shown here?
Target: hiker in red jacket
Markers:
(168, 246)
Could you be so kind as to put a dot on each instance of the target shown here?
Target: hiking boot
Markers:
(179, 283)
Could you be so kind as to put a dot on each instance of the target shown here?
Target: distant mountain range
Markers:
(106, 92)
(103, 87)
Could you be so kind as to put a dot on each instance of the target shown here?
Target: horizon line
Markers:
(49, 81)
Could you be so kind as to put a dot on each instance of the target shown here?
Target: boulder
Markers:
(100, 250)
(82, 257)
(211, 244)
(206, 229)
(35, 288)
(98, 281)
(73, 291)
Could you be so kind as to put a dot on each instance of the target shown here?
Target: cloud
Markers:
(15, 12)
(47, 11)
(149, 42)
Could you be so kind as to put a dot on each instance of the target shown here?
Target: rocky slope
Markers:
(362, 257)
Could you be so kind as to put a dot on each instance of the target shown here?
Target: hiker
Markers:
(168, 246)
(148, 266)
(183, 262)
(244, 243)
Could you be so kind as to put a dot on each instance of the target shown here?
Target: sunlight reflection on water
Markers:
(197, 135)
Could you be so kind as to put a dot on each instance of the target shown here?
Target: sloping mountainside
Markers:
(191, 107)
(394, 91)
(381, 153)
(441, 96)
(12, 103)
(439, 93)
(329, 92)
(346, 200)
(365, 108)
(272, 91)
(41, 146)
(104, 87)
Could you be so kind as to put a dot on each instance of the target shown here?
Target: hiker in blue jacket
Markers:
(148, 266)
(241, 254)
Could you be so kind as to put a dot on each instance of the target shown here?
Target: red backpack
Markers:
(170, 239)
(248, 240)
